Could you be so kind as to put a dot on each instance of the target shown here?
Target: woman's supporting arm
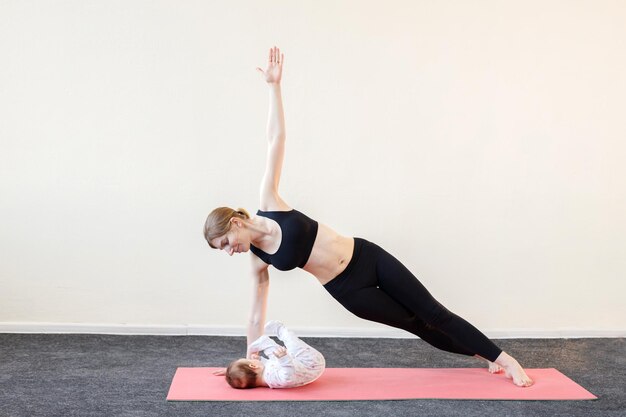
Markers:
(256, 323)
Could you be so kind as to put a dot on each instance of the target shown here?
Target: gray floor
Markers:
(98, 375)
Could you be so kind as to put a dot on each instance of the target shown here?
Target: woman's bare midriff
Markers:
(330, 255)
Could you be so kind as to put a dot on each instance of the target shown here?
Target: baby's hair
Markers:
(240, 375)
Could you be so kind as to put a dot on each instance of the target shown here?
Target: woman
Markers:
(363, 277)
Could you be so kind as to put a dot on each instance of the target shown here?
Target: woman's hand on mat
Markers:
(280, 351)
(220, 372)
(274, 71)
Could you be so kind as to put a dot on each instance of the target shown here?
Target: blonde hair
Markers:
(218, 222)
(240, 375)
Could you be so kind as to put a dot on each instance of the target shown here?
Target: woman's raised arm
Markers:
(270, 199)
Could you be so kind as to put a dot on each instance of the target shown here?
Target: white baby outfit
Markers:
(300, 366)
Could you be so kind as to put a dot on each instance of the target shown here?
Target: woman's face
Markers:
(235, 241)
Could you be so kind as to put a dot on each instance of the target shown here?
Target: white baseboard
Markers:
(198, 330)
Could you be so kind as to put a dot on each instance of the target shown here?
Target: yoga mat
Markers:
(340, 384)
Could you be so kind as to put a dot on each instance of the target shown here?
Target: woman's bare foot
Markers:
(513, 370)
(494, 368)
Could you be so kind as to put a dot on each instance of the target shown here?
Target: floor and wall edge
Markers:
(207, 330)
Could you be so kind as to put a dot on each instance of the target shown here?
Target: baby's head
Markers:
(244, 373)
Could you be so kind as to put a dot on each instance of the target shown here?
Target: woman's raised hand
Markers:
(274, 70)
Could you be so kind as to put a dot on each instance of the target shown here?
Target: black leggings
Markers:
(376, 286)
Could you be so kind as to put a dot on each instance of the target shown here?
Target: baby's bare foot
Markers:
(514, 370)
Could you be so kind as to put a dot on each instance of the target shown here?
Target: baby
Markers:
(291, 366)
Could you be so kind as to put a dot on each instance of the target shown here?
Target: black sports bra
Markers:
(298, 236)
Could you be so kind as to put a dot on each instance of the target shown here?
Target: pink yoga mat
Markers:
(337, 384)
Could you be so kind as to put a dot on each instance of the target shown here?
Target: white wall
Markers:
(480, 142)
